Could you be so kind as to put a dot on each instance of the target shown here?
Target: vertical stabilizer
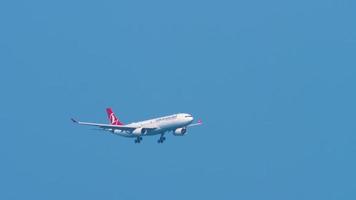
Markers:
(112, 117)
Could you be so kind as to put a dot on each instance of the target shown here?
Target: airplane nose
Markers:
(191, 119)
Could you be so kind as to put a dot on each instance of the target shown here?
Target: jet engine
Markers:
(180, 131)
(139, 131)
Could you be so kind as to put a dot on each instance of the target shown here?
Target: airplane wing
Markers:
(196, 124)
(109, 126)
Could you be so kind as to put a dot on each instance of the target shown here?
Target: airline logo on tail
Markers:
(112, 118)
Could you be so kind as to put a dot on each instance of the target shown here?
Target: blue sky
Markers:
(274, 82)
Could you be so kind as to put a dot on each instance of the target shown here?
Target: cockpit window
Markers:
(188, 116)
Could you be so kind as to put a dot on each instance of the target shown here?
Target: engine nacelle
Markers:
(139, 131)
(180, 131)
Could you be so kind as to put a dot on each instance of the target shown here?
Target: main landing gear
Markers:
(161, 139)
(138, 140)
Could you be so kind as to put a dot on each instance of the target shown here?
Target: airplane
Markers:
(177, 123)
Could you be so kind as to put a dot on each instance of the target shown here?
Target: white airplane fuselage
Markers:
(162, 124)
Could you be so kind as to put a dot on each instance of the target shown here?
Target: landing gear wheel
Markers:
(161, 140)
(138, 140)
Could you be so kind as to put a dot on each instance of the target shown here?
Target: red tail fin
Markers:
(112, 118)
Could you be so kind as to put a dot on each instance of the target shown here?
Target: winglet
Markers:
(199, 122)
(73, 120)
